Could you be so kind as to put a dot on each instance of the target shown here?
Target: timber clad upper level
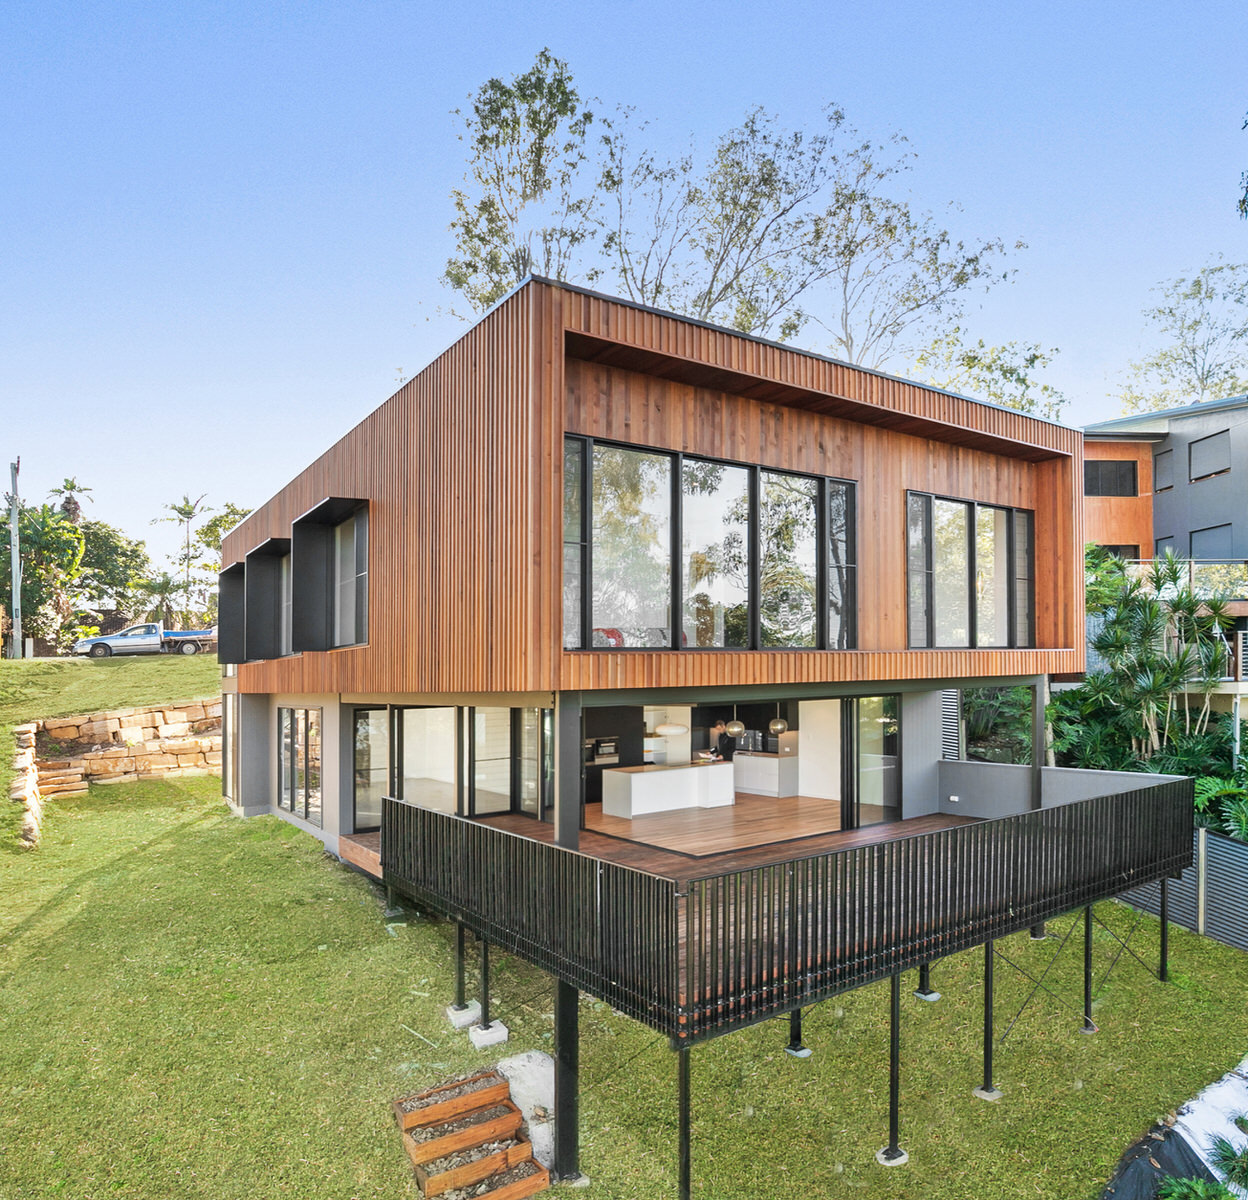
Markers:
(462, 471)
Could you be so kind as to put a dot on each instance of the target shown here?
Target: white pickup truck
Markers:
(152, 638)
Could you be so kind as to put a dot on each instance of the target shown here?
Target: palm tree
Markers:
(184, 513)
(160, 591)
(69, 491)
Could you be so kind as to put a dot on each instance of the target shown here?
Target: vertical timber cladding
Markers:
(635, 376)
(463, 498)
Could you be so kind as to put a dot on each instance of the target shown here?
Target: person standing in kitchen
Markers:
(725, 744)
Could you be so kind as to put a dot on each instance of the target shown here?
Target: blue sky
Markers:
(222, 224)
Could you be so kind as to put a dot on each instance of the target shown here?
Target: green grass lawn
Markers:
(196, 1005)
(34, 688)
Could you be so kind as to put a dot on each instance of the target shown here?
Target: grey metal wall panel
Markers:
(1226, 892)
(1182, 899)
(232, 615)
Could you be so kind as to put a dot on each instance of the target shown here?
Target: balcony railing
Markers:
(739, 946)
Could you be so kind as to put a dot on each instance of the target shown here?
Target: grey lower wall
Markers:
(255, 751)
(921, 721)
(990, 790)
(984, 790)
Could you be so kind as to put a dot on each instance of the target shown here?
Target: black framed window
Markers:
(677, 551)
(229, 746)
(350, 591)
(1213, 543)
(1129, 553)
(1110, 477)
(969, 573)
(371, 766)
(299, 758)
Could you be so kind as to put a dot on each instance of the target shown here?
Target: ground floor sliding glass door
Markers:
(871, 763)
(476, 761)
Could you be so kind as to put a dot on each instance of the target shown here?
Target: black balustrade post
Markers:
(1039, 749)
(893, 1155)
(987, 1090)
(567, 1082)
(485, 984)
(569, 769)
(460, 1003)
(924, 990)
(1088, 1026)
(1163, 972)
(682, 1106)
(796, 1047)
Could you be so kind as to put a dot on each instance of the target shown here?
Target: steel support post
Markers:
(567, 1081)
(485, 984)
(682, 1105)
(569, 768)
(1039, 694)
(893, 1155)
(924, 990)
(1088, 1025)
(987, 1090)
(460, 1003)
(1163, 972)
(796, 1047)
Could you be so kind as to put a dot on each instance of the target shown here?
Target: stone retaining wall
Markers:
(126, 744)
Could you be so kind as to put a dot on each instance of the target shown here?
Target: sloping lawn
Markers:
(194, 1005)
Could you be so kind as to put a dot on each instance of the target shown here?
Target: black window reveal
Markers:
(673, 551)
(969, 573)
(1163, 471)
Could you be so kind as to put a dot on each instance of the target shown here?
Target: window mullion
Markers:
(676, 554)
(755, 562)
(823, 564)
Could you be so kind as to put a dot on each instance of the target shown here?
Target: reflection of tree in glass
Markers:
(787, 608)
(721, 556)
(632, 543)
(840, 582)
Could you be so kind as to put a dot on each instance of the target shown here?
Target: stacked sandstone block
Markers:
(134, 743)
(113, 747)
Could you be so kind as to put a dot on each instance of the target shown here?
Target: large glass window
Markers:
(1209, 456)
(879, 784)
(299, 759)
(573, 543)
(951, 600)
(715, 554)
(969, 573)
(350, 599)
(747, 558)
(630, 547)
(529, 774)
(491, 760)
(285, 599)
(842, 552)
(992, 576)
(788, 595)
(229, 746)
(1109, 477)
(372, 766)
(426, 757)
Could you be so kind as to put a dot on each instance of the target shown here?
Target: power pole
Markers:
(16, 560)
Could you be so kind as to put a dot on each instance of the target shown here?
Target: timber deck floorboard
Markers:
(767, 836)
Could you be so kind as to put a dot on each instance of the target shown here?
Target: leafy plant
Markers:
(1211, 793)
(1173, 1188)
(1231, 1162)
(1235, 819)
(1241, 1122)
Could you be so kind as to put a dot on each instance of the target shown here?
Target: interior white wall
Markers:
(819, 749)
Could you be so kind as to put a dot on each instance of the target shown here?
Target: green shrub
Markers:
(1191, 1189)
(1231, 1162)
(1235, 819)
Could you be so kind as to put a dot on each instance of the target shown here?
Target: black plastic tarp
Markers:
(1160, 1152)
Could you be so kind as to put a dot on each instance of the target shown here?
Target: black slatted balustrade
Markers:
(606, 929)
(741, 946)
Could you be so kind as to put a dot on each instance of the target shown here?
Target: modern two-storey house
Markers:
(626, 642)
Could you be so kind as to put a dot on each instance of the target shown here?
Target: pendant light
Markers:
(734, 728)
(778, 724)
(671, 729)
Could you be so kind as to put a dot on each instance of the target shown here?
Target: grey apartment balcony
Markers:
(723, 933)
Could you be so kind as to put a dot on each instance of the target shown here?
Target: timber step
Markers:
(467, 1139)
